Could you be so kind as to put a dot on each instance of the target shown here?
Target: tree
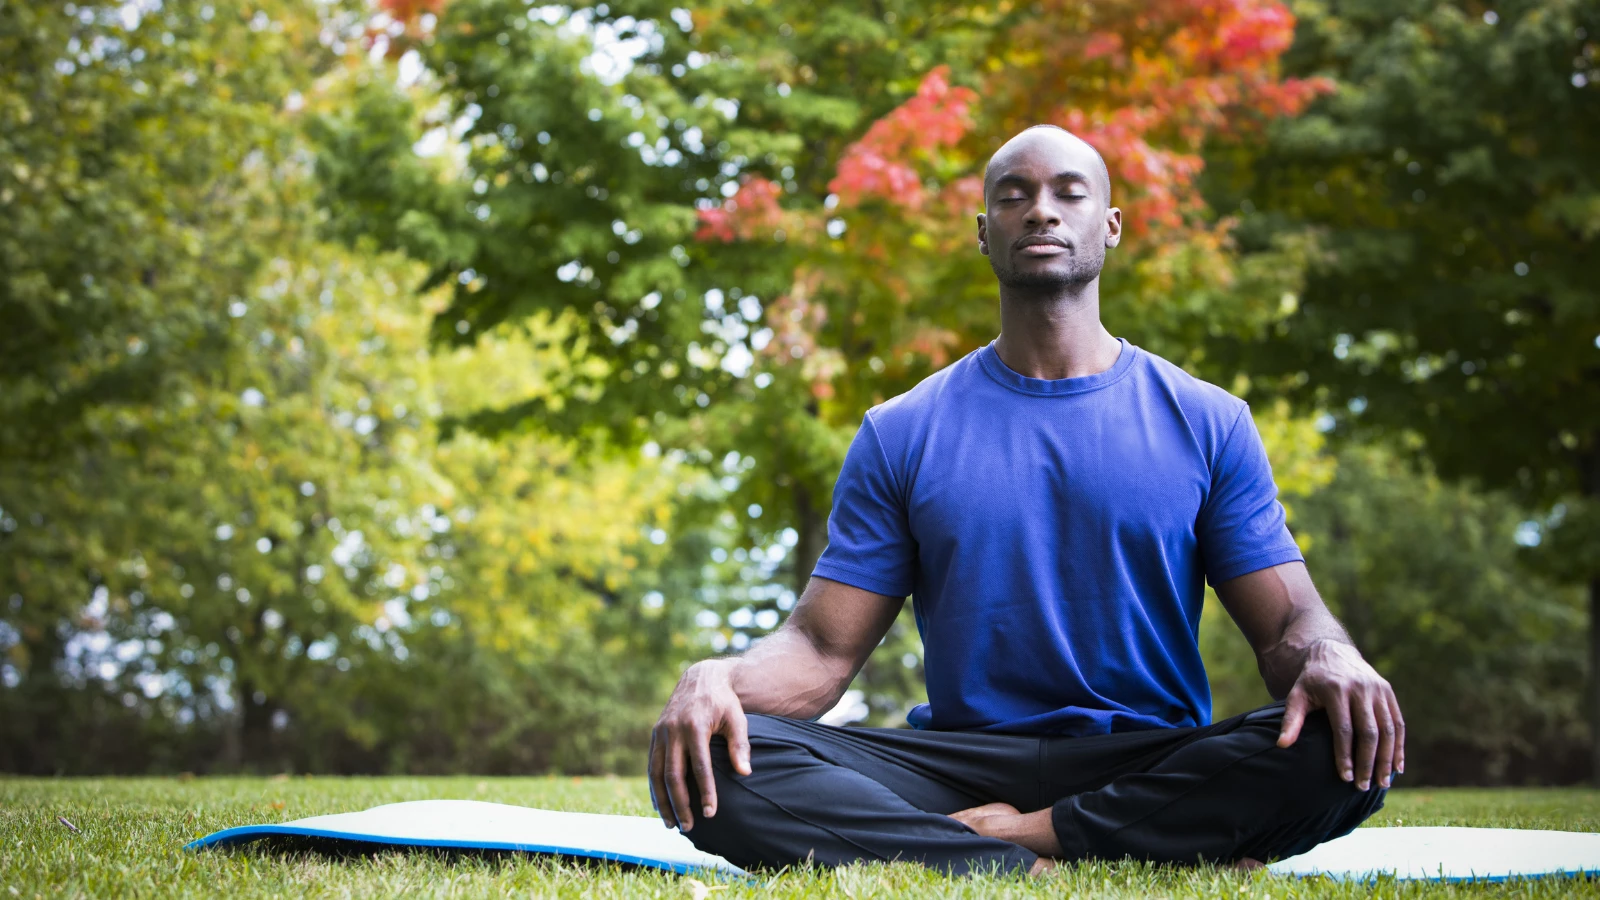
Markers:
(232, 532)
(137, 214)
(1449, 199)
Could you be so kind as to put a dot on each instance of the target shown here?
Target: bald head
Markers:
(1048, 220)
(1047, 138)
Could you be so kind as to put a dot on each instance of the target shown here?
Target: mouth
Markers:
(1042, 245)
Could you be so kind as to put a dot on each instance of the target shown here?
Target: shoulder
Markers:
(1210, 415)
(1203, 403)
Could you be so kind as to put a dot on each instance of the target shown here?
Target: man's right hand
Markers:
(703, 704)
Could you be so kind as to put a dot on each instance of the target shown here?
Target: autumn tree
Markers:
(761, 216)
(763, 223)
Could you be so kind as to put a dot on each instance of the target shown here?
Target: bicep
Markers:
(843, 623)
(1241, 526)
(1264, 603)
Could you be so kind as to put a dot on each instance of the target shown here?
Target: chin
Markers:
(1046, 279)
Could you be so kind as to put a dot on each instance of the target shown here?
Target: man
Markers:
(1056, 502)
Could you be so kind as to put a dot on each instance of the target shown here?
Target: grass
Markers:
(130, 834)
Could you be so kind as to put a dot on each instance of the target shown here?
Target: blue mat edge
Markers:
(1441, 879)
(245, 833)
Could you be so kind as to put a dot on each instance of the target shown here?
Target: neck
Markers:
(1056, 334)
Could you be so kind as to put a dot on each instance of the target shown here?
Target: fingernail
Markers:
(1348, 775)
(1365, 784)
(708, 811)
(1384, 782)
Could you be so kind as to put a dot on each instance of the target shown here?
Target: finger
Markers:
(1294, 716)
(1399, 733)
(1383, 762)
(1366, 729)
(704, 778)
(739, 742)
(678, 784)
(1339, 719)
(658, 781)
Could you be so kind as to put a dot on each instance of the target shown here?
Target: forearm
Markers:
(786, 674)
(1305, 629)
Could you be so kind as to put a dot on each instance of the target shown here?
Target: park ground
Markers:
(126, 837)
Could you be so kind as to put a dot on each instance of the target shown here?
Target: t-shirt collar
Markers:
(1056, 387)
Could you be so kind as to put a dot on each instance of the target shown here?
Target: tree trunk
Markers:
(812, 525)
(1589, 472)
(255, 729)
(1594, 675)
(1353, 610)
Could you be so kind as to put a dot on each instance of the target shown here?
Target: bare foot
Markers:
(977, 818)
(1246, 864)
(1006, 822)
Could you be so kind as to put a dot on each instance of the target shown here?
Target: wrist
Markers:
(713, 671)
(1327, 649)
(1035, 831)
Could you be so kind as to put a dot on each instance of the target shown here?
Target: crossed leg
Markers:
(1221, 793)
(835, 796)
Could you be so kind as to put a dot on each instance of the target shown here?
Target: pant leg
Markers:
(1212, 794)
(840, 795)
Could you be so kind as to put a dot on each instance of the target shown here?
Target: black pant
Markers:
(1180, 795)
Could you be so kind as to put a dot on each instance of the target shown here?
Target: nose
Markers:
(1043, 212)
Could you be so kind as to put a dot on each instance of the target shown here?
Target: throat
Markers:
(1054, 353)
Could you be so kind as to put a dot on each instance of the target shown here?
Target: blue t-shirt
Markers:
(1057, 536)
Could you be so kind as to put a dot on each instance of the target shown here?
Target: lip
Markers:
(1042, 245)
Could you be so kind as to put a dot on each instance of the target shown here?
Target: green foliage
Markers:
(1448, 192)
(131, 832)
(132, 200)
(252, 545)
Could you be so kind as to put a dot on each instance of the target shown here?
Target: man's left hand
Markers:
(1369, 734)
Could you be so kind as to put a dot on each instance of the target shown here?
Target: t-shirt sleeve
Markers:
(869, 538)
(1241, 528)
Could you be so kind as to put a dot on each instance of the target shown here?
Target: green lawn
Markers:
(131, 831)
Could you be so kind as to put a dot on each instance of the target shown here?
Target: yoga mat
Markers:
(1448, 854)
(1451, 854)
(474, 825)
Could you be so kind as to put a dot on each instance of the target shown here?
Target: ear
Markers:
(1113, 227)
(983, 234)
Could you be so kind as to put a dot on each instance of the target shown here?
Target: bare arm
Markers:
(1306, 657)
(799, 671)
(802, 669)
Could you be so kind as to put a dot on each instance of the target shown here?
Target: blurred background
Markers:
(418, 386)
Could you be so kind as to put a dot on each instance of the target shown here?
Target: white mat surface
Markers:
(471, 824)
(1449, 854)
(1404, 853)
